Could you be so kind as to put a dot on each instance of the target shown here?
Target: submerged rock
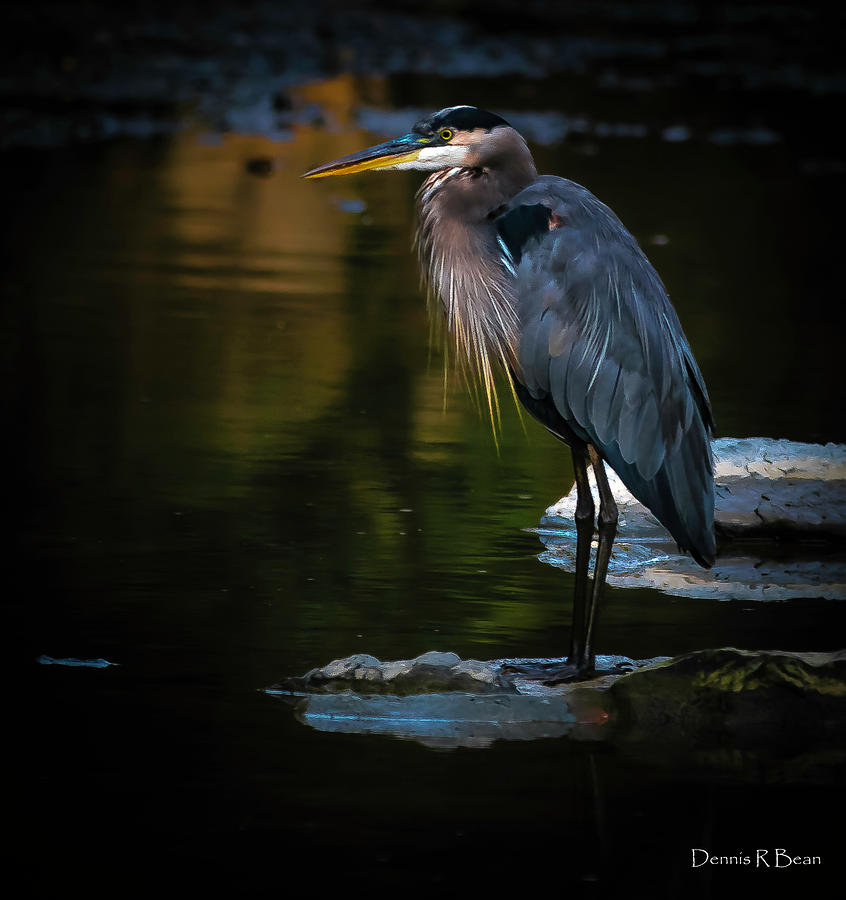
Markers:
(776, 493)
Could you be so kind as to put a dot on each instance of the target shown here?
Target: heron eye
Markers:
(446, 134)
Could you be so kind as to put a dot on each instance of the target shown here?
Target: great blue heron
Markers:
(537, 276)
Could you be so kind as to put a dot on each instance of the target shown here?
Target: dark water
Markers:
(231, 460)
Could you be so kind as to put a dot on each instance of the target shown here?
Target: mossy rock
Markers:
(730, 694)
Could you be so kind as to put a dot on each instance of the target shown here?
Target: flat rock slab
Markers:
(702, 697)
(786, 497)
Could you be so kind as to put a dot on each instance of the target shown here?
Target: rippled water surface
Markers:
(234, 457)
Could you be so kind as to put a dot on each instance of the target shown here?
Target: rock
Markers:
(767, 491)
(730, 695)
(770, 699)
(764, 488)
(427, 699)
(437, 658)
(776, 459)
(351, 667)
(431, 672)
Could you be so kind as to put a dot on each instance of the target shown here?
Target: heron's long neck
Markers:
(459, 256)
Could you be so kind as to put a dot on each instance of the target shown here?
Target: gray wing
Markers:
(603, 356)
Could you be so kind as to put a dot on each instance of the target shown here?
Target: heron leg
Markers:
(584, 536)
(607, 528)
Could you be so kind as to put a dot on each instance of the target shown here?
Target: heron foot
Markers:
(569, 673)
(551, 673)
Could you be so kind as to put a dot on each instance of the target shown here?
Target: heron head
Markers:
(463, 136)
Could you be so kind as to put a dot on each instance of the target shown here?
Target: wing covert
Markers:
(601, 343)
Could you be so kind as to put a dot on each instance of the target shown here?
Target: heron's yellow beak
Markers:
(389, 155)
